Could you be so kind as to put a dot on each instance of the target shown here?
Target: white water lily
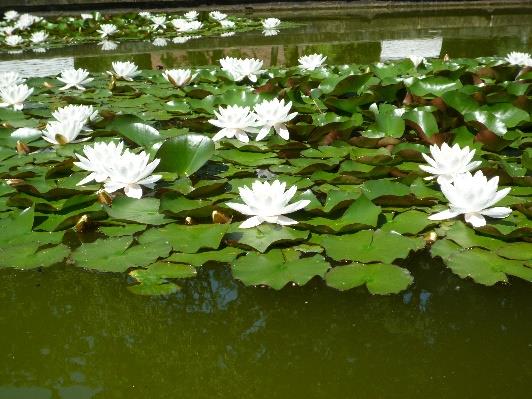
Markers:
(235, 121)
(178, 23)
(190, 26)
(7, 30)
(160, 42)
(74, 78)
(85, 16)
(448, 162)
(517, 58)
(159, 22)
(191, 15)
(10, 78)
(312, 61)
(38, 37)
(14, 40)
(239, 68)
(473, 196)
(145, 14)
(108, 45)
(271, 23)
(417, 60)
(11, 15)
(270, 32)
(26, 20)
(96, 160)
(14, 96)
(130, 171)
(181, 39)
(179, 77)
(227, 24)
(227, 34)
(274, 114)
(107, 30)
(217, 15)
(81, 113)
(124, 70)
(266, 202)
(63, 132)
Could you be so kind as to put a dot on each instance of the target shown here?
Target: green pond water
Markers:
(73, 334)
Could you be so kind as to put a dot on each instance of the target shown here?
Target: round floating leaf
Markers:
(466, 237)
(28, 256)
(516, 250)
(278, 267)
(143, 210)
(261, 237)
(153, 280)
(134, 129)
(409, 222)
(379, 278)
(225, 255)
(185, 154)
(485, 267)
(424, 120)
(188, 239)
(435, 85)
(369, 246)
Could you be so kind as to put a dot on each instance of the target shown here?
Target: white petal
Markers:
(251, 222)
(285, 221)
(242, 208)
(446, 214)
(498, 212)
(133, 191)
(475, 219)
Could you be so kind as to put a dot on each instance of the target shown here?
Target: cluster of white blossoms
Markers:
(470, 195)
(74, 78)
(125, 70)
(69, 122)
(117, 168)
(237, 122)
(13, 90)
(107, 30)
(159, 22)
(241, 68)
(217, 15)
(520, 59)
(312, 62)
(266, 202)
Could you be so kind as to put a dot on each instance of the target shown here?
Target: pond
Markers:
(81, 316)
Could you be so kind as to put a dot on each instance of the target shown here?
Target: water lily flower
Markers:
(107, 30)
(181, 39)
(178, 23)
(239, 68)
(417, 60)
(448, 162)
(26, 20)
(311, 62)
(190, 26)
(15, 96)
(159, 22)
(270, 32)
(145, 14)
(38, 37)
(517, 58)
(225, 23)
(96, 160)
(179, 77)
(217, 15)
(227, 34)
(271, 23)
(10, 78)
(81, 113)
(235, 121)
(108, 45)
(7, 30)
(473, 196)
(63, 132)
(191, 15)
(11, 15)
(85, 16)
(160, 42)
(124, 70)
(274, 114)
(130, 171)
(14, 40)
(74, 78)
(266, 202)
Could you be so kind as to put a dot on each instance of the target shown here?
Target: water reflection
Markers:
(399, 49)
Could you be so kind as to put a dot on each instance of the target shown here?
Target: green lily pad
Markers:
(261, 237)
(277, 268)
(225, 255)
(154, 279)
(143, 210)
(185, 154)
(379, 278)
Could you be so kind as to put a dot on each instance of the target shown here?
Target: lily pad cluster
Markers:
(354, 152)
(26, 31)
